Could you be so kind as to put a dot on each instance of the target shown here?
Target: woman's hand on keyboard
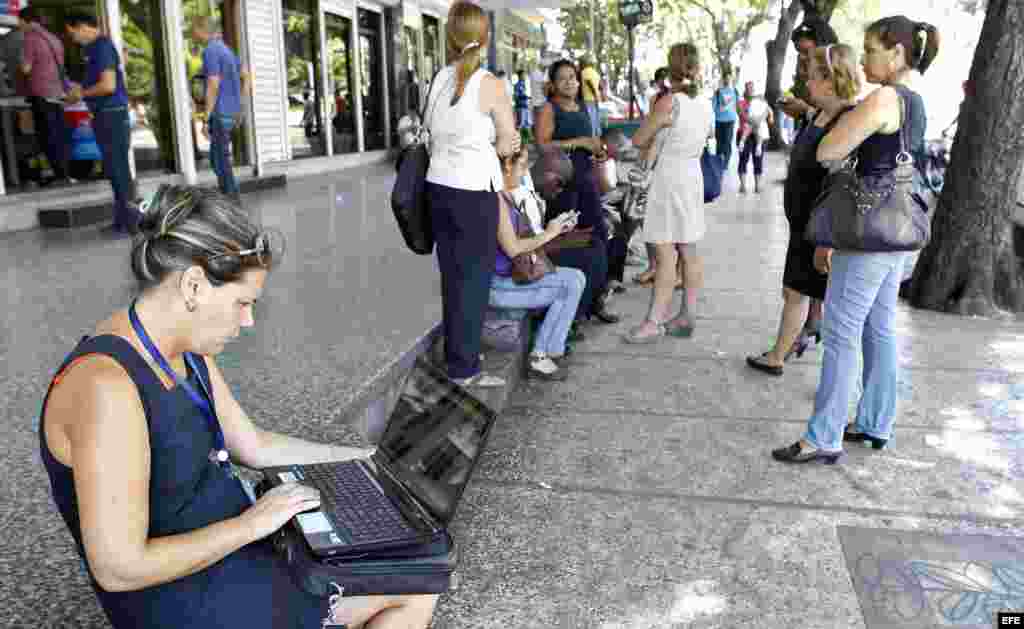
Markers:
(277, 506)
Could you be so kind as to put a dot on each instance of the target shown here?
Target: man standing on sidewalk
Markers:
(590, 82)
(43, 64)
(104, 92)
(226, 82)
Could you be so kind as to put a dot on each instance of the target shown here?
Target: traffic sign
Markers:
(633, 12)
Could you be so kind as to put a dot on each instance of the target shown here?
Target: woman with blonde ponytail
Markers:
(469, 115)
(677, 129)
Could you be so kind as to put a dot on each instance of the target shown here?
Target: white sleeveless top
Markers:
(462, 153)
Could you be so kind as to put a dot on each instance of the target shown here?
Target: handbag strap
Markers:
(904, 154)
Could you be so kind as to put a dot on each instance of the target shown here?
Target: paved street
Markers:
(638, 494)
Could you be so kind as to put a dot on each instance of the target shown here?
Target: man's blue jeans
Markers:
(559, 291)
(113, 134)
(220, 152)
(860, 314)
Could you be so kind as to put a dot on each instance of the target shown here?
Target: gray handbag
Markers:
(872, 214)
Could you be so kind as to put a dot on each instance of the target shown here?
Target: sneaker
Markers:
(540, 367)
(480, 380)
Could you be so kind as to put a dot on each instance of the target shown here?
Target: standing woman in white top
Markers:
(469, 114)
(677, 129)
(755, 116)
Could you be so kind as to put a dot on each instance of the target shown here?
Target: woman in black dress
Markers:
(834, 80)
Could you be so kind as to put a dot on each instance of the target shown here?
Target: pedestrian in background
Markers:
(43, 64)
(104, 92)
(467, 109)
(590, 85)
(812, 33)
(726, 105)
(755, 116)
(863, 288)
(226, 84)
(538, 91)
(521, 97)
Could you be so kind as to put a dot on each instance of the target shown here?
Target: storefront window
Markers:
(339, 83)
(146, 80)
(412, 68)
(370, 73)
(225, 13)
(430, 47)
(305, 97)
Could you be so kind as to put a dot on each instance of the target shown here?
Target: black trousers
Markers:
(465, 224)
(593, 261)
(618, 248)
(51, 133)
(750, 150)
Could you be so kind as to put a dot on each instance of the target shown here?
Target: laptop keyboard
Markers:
(355, 503)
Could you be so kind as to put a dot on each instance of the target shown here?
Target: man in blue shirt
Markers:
(726, 102)
(226, 82)
(104, 92)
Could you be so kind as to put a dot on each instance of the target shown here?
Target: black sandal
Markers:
(796, 454)
(759, 363)
(877, 443)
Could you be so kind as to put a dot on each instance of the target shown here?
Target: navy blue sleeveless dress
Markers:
(249, 588)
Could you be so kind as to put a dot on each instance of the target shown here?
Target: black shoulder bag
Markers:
(409, 196)
(871, 214)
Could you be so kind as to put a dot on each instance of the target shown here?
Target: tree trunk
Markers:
(776, 51)
(970, 266)
(823, 8)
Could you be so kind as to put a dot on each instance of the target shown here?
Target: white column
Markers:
(174, 42)
(114, 32)
(245, 54)
(357, 89)
(385, 92)
(327, 129)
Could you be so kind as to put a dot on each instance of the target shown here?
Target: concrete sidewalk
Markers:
(641, 492)
(638, 494)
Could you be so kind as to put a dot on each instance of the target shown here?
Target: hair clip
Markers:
(471, 45)
(828, 59)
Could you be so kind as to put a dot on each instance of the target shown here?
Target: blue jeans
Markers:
(220, 152)
(595, 118)
(113, 134)
(725, 135)
(860, 314)
(559, 291)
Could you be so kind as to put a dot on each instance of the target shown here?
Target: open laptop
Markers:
(407, 491)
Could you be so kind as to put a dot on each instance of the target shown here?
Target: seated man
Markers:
(140, 430)
(553, 173)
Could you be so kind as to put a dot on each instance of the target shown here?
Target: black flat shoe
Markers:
(796, 454)
(607, 317)
(761, 364)
(860, 437)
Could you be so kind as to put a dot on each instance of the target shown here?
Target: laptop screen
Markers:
(434, 438)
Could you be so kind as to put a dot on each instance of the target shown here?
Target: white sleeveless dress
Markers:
(675, 200)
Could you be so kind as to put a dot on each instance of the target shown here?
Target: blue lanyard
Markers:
(219, 454)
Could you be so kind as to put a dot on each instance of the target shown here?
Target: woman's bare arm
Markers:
(110, 455)
(660, 118)
(496, 101)
(879, 112)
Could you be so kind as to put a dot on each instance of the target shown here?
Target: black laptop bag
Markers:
(427, 568)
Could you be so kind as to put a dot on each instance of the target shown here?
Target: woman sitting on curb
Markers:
(139, 432)
(559, 291)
